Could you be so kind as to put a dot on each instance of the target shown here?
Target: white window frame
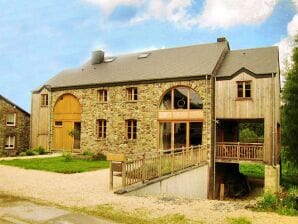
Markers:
(11, 142)
(14, 120)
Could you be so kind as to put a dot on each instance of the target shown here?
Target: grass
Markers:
(252, 170)
(58, 164)
(140, 217)
(238, 220)
(289, 174)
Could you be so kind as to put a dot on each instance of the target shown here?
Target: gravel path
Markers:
(91, 188)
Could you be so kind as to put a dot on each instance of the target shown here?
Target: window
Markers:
(181, 98)
(131, 129)
(10, 142)
(44, 100)
(143, 55)
(102, 95)
(244, 89)
(11, 119)
(110, 59)
(101, 128)
(132, 94)
(58, 123)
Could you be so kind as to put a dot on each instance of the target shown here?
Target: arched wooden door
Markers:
(67, 123)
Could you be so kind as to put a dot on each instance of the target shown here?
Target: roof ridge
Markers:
(13, 104)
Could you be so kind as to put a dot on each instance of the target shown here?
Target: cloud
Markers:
(215, 13)
(174, 11)
(108, 6)
(229, 13)
(287, 44)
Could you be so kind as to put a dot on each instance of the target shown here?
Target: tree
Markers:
(290, 110)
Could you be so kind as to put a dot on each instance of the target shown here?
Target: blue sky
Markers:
(40, 38)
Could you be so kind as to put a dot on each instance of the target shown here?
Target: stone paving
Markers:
(16, 211)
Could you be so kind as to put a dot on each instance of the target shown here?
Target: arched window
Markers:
(181, 98)
(180, 118)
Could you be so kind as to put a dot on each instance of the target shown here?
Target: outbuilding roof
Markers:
(14, 105)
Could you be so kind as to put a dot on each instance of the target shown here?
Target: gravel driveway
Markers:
(91, 188)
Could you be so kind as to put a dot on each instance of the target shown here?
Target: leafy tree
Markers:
(290, 110)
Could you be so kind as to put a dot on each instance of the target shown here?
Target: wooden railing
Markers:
(141, 167)
(239, 151)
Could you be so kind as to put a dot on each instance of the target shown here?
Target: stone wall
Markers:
(21, 130)
(117, 109)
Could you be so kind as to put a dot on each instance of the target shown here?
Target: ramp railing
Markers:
(141, 167)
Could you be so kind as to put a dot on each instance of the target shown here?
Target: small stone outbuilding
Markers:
(14, 128)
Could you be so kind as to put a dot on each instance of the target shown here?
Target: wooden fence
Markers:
(239, 151)
(141, 167)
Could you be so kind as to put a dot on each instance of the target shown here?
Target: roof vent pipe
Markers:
(97, 57)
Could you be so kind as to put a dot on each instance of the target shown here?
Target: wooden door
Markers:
(62, 139)
(67, 113)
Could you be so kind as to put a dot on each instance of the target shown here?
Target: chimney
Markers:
(97, 57)
(221, 39)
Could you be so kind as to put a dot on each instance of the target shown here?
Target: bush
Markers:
(99, 156)
(88, 153)
(40, 150)
(31, 152)
(268, 202)
(67, 157)
(22, 154)
(284, 203)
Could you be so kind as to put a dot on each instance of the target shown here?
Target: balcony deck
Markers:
(236, 152)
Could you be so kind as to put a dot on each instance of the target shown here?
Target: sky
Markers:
(39, 38)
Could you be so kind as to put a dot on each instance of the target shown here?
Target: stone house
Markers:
(165, 99)
(14, 128)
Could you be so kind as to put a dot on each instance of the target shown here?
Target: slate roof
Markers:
(257, 60)
(163, 64)
(169, 63)
(14, 105)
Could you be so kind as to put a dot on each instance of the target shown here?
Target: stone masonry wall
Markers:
(118, 109)
(21, 130)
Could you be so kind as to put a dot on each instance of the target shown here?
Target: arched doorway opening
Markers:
(180, 118)
(67, 123)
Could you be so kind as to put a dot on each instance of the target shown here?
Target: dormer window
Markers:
(244, 89)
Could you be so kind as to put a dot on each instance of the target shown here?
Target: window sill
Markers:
(10, 125)
(102, 102)
(100, 139)
(243, 98)
(131, 101)
(130, 141)
(9, 148)
(44, 105)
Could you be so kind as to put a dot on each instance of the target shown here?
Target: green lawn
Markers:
(289, 173)
(58, 164)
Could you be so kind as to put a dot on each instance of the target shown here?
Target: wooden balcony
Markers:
(236, 152)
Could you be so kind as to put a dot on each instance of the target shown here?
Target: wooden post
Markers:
(143, 168)
(111, 176)
(191, 155)
(172, 161)
(182, 157)
(222, 192)
(238, 151)
(160, 164)
(123, 174)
